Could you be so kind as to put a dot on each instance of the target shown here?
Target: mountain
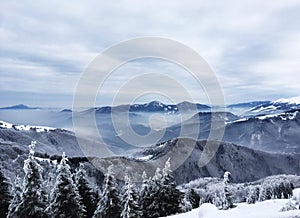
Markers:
(54, 141)
(242, 162)
(272, 133)
(19, 107)
(154, 106)
(248, 104)
(51, 140)
(243, 109)
(202, 122)
(280, 105)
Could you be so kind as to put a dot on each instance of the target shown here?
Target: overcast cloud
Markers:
(253, 46)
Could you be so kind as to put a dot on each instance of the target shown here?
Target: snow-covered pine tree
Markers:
(65, 200)
(146, 197)
(185, 204)
(266, 192)
(49, 183)
(253, 194)
(194, 198)
(33, 197)
(155, 188)
(227, 191)
(130, 200)
(219, 200)
(17, 191)
(4, 195)
(170, 196)
(262, 194)
(109, 204)
(89, 196)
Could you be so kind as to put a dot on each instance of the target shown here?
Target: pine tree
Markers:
(33, 197)
(266, 192)
(155, 188)
(4, 195)
(65, 200)
(145, 196)
(219, 200)
(166, 198)
(194, 198)
(185, 204)
(227, 192)
(170, 196)
(89, 197)
(17, 190)
(109, 204)
(130, 206)
(253, 195)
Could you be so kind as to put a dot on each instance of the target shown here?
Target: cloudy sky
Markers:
(252, 46)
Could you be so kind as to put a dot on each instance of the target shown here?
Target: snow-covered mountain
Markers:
(246, 105)
(51, 141)
(272, 133)
(280, 105)
(5, 125)
(154, 106)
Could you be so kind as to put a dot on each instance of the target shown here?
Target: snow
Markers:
(6, 125)
(162, 145)
(262, 108)
(237, 121)
(294, 100)
(296, 193)
(46, 160)
(191, 214)
(148, 157)
(265, 209)
(283, 116)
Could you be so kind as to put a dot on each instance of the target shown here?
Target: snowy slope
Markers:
(294, 100)
(191, 214)
(265, 209)
(280, 105)
(5, 125)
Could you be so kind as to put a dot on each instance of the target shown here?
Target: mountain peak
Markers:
(156, 104)
(293, 100)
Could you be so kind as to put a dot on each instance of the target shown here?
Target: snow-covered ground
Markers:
(6, 125)
(265, 209)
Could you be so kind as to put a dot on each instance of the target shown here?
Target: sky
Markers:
(252, 46)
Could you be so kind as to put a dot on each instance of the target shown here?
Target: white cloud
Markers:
(252, 45)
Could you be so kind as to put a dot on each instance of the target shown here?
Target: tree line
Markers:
(73, 196)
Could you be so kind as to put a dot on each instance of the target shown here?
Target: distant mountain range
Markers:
(255, 126)
(248, 108)
(153, 106)
(272, 133)
(19, 107)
